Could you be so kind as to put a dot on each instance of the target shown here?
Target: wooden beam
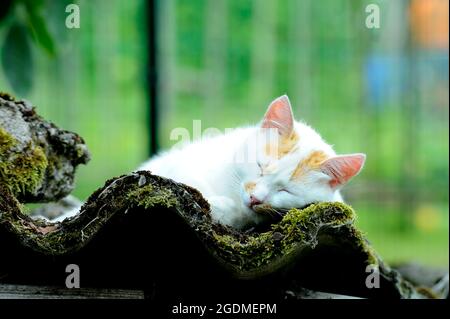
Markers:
(49, 292)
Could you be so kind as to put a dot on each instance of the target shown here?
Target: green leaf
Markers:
(17, 60)
(39, 28)
(5, 8)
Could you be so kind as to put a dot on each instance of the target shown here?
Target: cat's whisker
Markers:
(274, 212)
(279, 213)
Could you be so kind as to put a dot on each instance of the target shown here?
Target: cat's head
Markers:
(292, 166)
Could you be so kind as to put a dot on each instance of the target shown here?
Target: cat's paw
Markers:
(223, 209)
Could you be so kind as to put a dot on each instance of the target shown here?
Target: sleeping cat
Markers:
(252, 173)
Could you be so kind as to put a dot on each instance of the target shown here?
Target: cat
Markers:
(250, 174)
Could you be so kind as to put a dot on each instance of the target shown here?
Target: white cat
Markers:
(249, 173)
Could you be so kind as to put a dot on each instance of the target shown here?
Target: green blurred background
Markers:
(381, 91)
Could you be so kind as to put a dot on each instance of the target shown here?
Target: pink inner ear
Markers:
(279, 116)
(342, 168)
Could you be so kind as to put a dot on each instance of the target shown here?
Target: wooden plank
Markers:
(9, 291)
(47, 292)
(303, 293)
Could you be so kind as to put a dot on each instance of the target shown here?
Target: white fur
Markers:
(210, 165)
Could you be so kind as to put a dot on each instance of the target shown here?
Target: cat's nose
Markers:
(254, 201)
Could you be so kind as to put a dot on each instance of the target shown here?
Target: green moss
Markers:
(147, 196)
(7, 96)
(80, 150)
(254, 252)
(54, 163)
(21, 172)
(298, 227)
(365, 247)
(7, 142)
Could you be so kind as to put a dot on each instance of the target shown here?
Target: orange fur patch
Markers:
(285, 145)
(312, 161)
(249, 187)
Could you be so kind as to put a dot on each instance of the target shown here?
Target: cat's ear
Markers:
(279, 116)
(342, 168)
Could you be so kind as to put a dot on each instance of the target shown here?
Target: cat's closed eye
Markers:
(284, 190)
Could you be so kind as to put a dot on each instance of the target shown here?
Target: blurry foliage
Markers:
(5, 8)
(17, 61)
(26, 25)
(94, 83)
(38, 26)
